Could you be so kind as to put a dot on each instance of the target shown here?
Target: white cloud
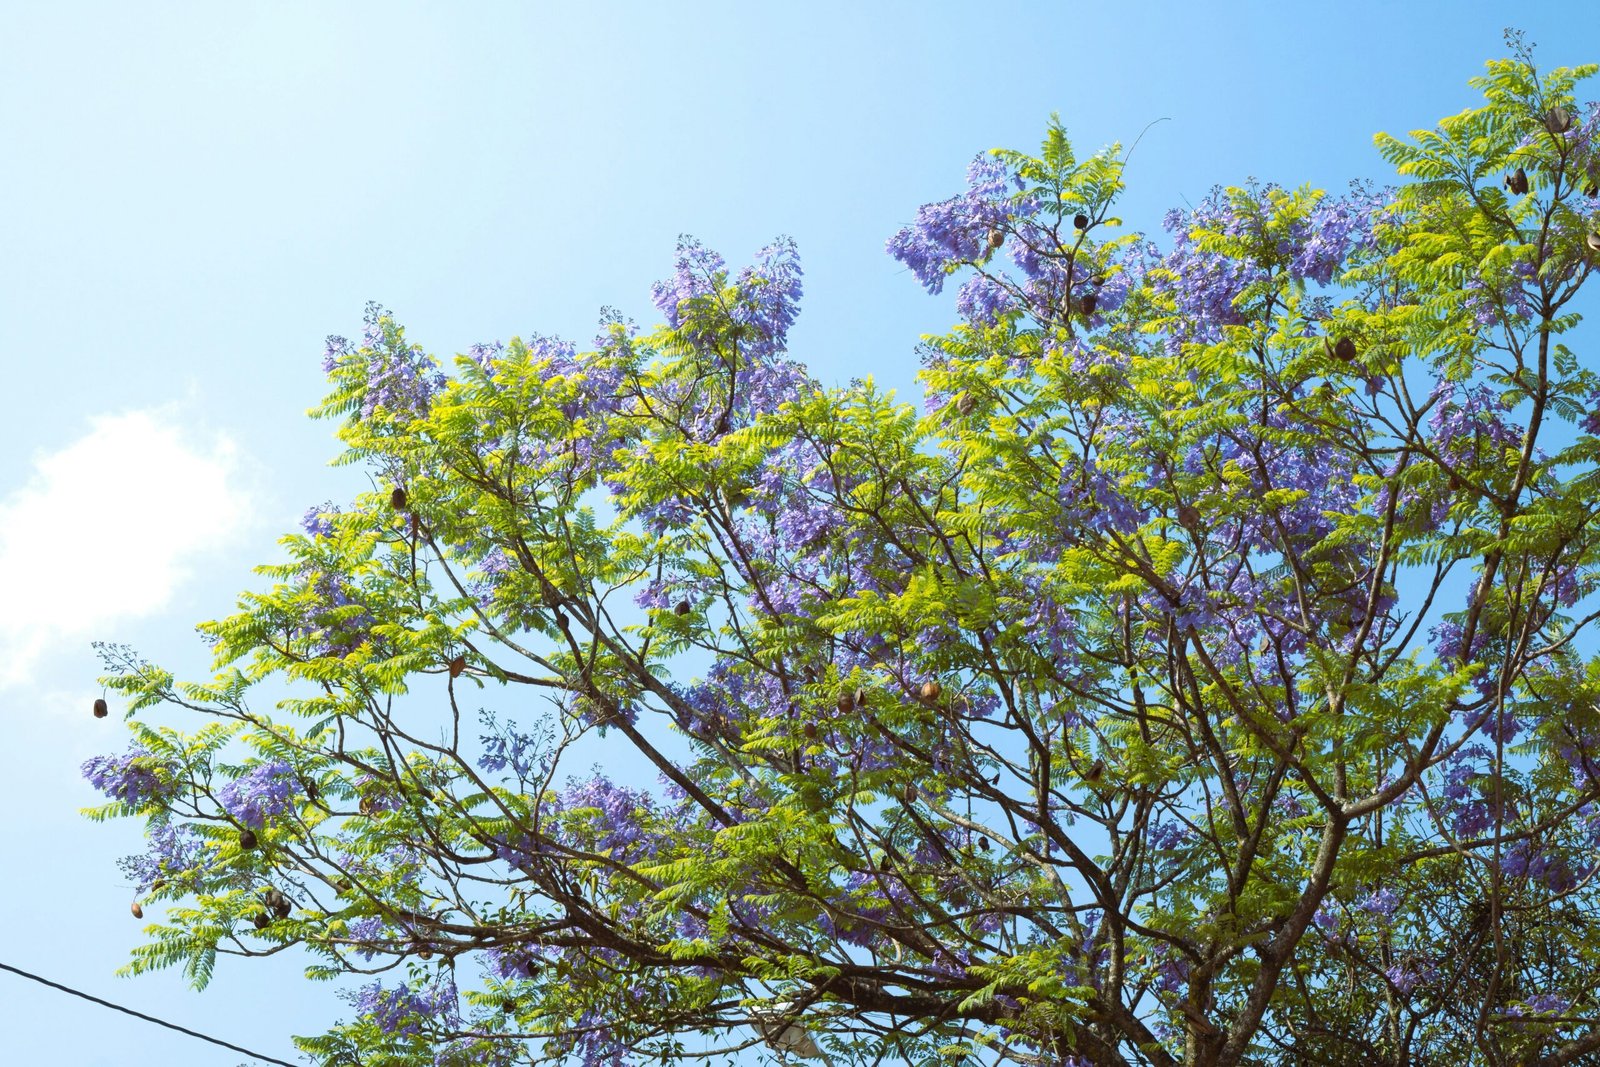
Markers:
(105, 531)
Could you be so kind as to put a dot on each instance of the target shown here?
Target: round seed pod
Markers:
(101, 710)
(860, 697)
(810, 730)
(909, 794)
(983, 844)
(1593, 190)
(458, 665)
(260, 921)
(1189, 515)
(1096, 771)
(1593, 240)
(158, 885)
(425, 953)
(1080, 222)
(930, 691)
(1088, 303)
(996, 238)
(1558, 120)
(282, 910)
(397, 498)
(681, 608)
(247, 839)
(561, 620)
(847, 703)
(138, 912)
(344, 885)
(1454, 484)
(1517, 181)
(1344, 350)
(1098, 280)
(966, 404)
(508, 1006)
(272, 898)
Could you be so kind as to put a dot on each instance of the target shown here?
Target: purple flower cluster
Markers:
(1524, 859)
(1381, 902)
(510, 748)
(954, 231)
(1469, 418)
(318, 521)
(598, 1045)
(131, 778)
(404, 1010)
(171, 850)
(1408, 975)
(604, 817)
(1209, 284)
(265, 791)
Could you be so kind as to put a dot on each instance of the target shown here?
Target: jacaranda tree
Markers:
(1200, 679)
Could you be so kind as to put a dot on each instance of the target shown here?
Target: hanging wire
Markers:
(142, 1015)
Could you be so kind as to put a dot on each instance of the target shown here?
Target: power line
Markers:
(142, 1015)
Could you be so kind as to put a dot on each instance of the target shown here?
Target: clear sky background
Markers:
(193, 196)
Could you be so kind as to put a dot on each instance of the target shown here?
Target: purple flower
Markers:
(132, 778)
(171, 850)
(403, 1010)
(954, 231)
(318, 521)
(1380, 902)
(263, 792)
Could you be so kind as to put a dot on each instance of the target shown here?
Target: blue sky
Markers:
(195, 195)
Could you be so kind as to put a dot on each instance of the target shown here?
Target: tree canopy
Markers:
(1200, 678)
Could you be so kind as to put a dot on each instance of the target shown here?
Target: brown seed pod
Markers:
(138, 912)
(260, 921)
(983, 844)
(344, 885)
(681, 608)
(930, 691)
(1189, 515)
(1558, 120)
(1088, 303)
(508, 1006)
(909, 794)
(860, 697)
(1096, 771)
(966, 404)
(561, 620)
(1593, 240)
(1344, 350)
(397, 498)
(425, 953)
(1593, 190)
(996, 238)
(100, 708)
(847, 703)
(458, 665)
(1517, 181)
(158, 885)
(811, 673)
(247, 839)
(1454, 484)
(1080, 222)
(1098, 280)
(810, 730)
